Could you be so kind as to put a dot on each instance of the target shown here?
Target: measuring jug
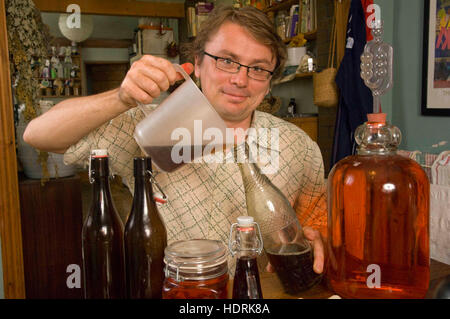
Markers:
(185, 126)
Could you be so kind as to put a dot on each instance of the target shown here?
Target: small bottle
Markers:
(247, 246)
(145, 238)
(102, 237)
(290, 254)
(292, 108)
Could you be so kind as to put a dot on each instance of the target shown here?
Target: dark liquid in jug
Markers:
(246, 282)
(294, 269)
(162, 155)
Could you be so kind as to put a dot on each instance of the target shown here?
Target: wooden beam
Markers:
(10, 227)
(116, 7)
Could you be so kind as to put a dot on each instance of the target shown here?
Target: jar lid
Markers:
(196, 259)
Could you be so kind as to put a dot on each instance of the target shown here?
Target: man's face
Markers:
(234, 96)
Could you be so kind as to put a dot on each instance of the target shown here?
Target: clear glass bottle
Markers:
(378, 212)
(102, 237)
(288, 251)
(145, 238)
(196, 269)
(247, 245)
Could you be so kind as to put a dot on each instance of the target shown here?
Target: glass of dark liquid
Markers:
(294, 267)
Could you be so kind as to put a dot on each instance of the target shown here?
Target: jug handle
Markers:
(180, 69)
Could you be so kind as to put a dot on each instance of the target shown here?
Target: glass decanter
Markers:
(378, 216)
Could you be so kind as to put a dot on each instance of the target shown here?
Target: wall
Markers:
(404, 27)
(419, 132)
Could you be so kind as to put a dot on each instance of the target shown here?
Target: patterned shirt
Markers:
(205, 198)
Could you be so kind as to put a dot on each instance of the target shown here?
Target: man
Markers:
(236, 54)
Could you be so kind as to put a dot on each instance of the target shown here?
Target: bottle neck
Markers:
(251, 175)
(247, 242)
(101, 196)
(377, 138)
(101, 192)
(143, 196)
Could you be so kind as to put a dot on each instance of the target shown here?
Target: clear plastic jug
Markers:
(185, 126)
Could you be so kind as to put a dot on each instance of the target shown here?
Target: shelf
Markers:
(285, 5)
(76, 78)
(58, 96)
(304, 75)
(308, 36)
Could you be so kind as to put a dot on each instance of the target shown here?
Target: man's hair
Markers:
(253, 20)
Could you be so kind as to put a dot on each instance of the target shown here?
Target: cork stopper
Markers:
(377, 117)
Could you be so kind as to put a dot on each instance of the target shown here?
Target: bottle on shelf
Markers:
(145, 238)
(67, 63)
(102, 237)
(246, 244)
(292, 108)
(290, 254)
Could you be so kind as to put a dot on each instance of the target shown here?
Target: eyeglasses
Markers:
(231, 66)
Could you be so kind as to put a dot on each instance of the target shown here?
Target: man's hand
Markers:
(318, 247)
(147, 78)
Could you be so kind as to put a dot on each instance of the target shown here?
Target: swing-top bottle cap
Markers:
(245, 221)
(99, 153)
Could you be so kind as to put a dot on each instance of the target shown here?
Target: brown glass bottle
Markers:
(378, 214)
(145, 238)
(102, 237)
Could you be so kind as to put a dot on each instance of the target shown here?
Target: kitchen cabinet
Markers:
(307, 124)
(51, 216)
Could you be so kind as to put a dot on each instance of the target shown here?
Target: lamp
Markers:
(77, 32)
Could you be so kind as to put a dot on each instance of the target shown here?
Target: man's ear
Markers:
(197, 67)
(268, 89)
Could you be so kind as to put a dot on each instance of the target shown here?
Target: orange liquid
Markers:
(378, 212)
(215, 288)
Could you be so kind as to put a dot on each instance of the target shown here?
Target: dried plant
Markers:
(28, 40)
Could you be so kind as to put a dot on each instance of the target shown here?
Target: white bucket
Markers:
(295, 55)
(28, 156)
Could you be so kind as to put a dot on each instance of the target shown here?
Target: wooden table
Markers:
(272, 289)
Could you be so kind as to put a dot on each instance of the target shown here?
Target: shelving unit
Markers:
(76, 59)
(304, 75)
(285, 5)
(310, 36)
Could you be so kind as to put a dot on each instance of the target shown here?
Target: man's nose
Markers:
(240, 78)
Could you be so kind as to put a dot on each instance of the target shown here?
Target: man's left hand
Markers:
(319, 251)
(318, 246)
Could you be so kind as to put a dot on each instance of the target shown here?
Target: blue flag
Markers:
(355, 99)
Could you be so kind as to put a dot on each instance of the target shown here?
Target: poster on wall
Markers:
(436, 58)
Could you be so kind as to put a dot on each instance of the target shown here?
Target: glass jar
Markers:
(378, 212)
(196, 269)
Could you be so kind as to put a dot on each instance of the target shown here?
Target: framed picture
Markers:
(436, 58)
